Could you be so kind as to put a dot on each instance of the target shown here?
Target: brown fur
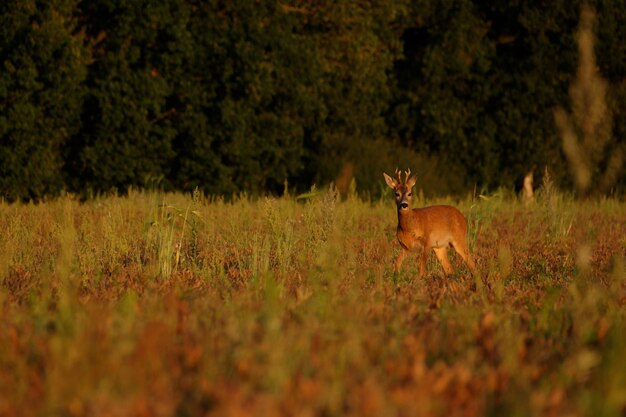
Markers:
(434, 227)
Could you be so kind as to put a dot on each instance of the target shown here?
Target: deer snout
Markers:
(404, 205)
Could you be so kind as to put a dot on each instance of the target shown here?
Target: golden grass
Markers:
(158, 304)
(595, 158)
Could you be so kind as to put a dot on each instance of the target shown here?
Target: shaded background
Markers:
(235, 96)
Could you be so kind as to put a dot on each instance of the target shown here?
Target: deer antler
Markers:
(398, 173)
(407, 174)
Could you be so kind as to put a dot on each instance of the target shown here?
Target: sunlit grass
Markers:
(167, 304)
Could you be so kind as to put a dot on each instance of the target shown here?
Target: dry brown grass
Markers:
(278, 307)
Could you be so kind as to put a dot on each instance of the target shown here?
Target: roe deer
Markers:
(434, 227)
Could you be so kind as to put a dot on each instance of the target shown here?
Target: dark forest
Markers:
(252, 96)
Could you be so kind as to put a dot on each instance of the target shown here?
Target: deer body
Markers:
(434, 227)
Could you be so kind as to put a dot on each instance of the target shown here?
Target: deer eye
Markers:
(397, 194)
(409, 194)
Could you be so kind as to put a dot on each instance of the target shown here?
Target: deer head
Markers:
(402, 189)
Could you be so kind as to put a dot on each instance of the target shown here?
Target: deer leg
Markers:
(442, 255)
(399, 259)
(463, 251)
(423, 259)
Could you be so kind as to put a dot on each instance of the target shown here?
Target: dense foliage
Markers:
(234, 96)
(44, 66)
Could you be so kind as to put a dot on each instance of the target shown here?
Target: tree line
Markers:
(243, 95)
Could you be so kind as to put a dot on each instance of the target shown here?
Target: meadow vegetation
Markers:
(160, 304)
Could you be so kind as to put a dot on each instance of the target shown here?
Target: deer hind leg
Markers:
(442, 255)
(463, 251)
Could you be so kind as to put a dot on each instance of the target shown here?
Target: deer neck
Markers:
(405, 219)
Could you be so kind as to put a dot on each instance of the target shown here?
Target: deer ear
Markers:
(411, 182)
(390, 181)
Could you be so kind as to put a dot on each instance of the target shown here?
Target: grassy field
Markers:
(159, 304)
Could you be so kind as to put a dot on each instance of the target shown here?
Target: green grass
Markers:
(165, 304)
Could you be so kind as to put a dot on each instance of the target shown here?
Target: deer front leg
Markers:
(423, 259)
(399, 259)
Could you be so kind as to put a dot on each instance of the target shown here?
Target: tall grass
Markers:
(168, 304)
(594, 156)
